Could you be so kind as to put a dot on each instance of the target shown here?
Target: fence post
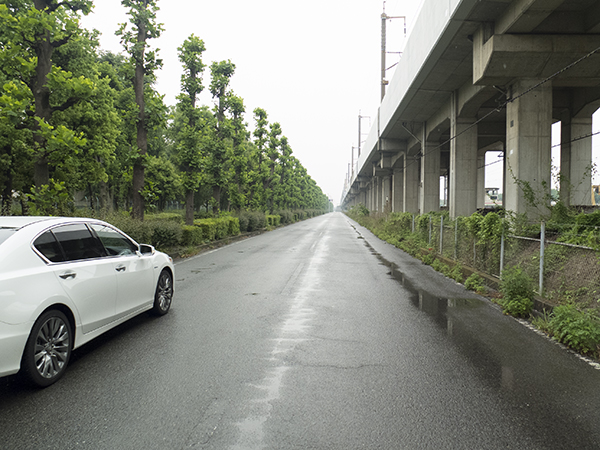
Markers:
(429, 244)
(413, 223)
(456, 238)
(442, 236)
(542, 248)
(502, 249)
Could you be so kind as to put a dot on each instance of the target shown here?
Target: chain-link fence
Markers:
(561, 271)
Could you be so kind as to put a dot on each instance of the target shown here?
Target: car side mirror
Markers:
(146, 249)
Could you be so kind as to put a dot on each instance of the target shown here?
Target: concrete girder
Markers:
(471, 97)
(576, 102)
(592, 19)
(396, 160)
(504, 58)
(523, 16)
(391, 150)
(439, 122)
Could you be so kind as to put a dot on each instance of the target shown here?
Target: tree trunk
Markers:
(189, 207)
(105, 203)
(41, 97)
(137, 212)
(217, 197)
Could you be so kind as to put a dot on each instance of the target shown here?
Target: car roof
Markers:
(18, 222)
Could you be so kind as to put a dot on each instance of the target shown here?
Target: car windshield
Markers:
(5, 233)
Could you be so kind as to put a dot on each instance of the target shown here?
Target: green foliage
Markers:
(171, 216)
(286, 216)
(165, 233)
(357, 212)
(191, 235)
(428, 258)
(441, 267)
(256, 220)
(457, 273)
(208, 227)
(50, 200)
(517, 306)
(516, 283)
(233, 228)
(273, 220)
(580, 330)
(138, 230)
(475, 283)
(517, 292)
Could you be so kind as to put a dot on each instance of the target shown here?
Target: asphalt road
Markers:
(313, 336)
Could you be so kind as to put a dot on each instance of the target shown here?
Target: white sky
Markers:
(311, 65)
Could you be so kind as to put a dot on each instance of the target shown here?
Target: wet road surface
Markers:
(313, 336)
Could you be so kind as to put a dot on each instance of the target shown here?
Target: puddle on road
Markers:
(450, 315)
(434, 306)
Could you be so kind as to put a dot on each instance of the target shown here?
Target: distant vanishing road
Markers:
(313, 336)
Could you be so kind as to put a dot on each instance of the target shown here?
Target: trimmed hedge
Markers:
(165, 233)
(218, 228)
(167, 230)
(273, 220)
(191, 235)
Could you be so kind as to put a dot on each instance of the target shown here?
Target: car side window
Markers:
(114, 242)
(48, 246)
(78, 242)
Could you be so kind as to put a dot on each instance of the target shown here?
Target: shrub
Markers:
(233, 226)
(191, 235)
(221, 227)
(208, 227)
(580, 330)
(517, 306)
(287, 217)
(243, 220)
(176, 217)
(136, 229)
(273, 220)
(439, 266)
(456, 273)
(517, 292)
(475, 283)
(256, 220)
(428, 259)
(165, 233)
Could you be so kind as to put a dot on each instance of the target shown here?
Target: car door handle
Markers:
(120, 268)
(66, 275)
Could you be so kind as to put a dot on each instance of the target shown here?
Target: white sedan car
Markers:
(65, 281)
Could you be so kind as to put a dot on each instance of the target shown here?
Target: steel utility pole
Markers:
(384, 82)
(384, 19)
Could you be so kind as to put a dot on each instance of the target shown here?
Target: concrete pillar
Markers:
(377, 194)
(411, 185)
(398, 190)
(386, 193)
(430, 177)
(576, 162)
(463, 167)
(481, 179)
(528, 148)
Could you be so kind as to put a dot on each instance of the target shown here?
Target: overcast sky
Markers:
(312, 65)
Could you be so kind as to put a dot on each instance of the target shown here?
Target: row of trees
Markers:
(74, 119)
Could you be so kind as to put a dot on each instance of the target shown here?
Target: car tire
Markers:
(48, 349)
(164, 293)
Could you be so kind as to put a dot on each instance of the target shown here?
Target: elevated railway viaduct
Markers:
(482, 75)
